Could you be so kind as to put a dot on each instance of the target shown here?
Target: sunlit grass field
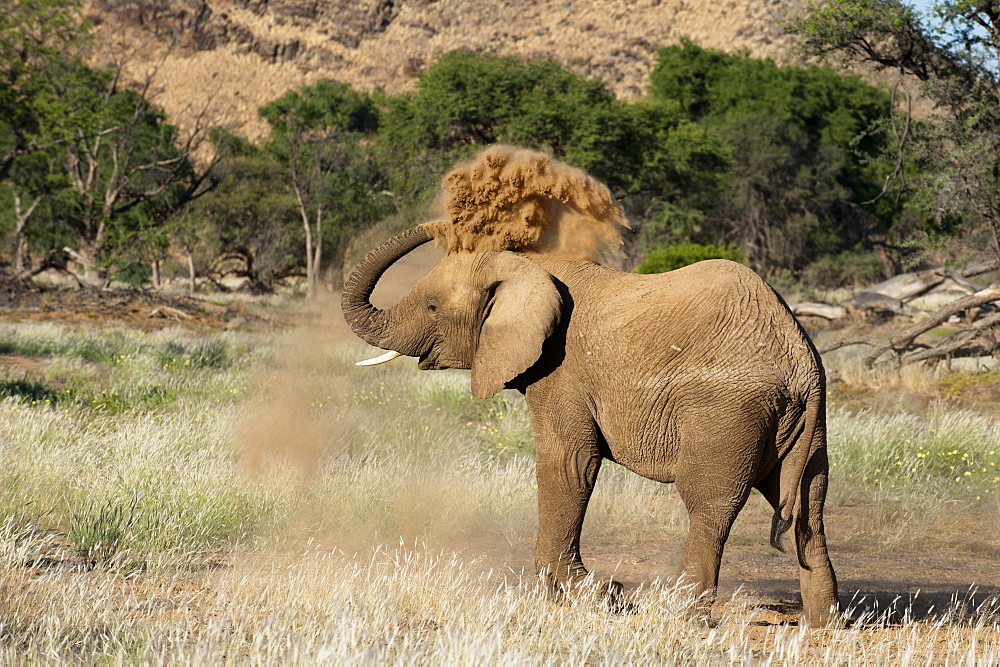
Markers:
(241, 496)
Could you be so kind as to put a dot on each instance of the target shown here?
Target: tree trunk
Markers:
(20, 253)
(317, 254)
(155, 266)
(310, 269)
(92, 274)
(191, 273)
(20, 222)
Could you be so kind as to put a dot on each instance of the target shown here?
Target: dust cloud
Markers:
(282, 425)
(352, 459)
(509, 198)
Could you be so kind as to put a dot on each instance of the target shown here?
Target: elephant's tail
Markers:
(809, 438)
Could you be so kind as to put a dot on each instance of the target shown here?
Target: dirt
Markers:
(27, 301)
(508, 198)
(915, 579)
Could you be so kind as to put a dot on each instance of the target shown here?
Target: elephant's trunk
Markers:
(370, 323)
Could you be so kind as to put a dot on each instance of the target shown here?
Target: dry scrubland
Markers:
(183, 496)
(259, 50)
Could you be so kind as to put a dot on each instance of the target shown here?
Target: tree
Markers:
(801, 149)
(71, 132)
(246, 225)
(958, 146)
(323, 134)
(956, 64)
(128, 168)
(34, 37)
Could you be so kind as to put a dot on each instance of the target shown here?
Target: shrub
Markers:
(682, 254)
(847, 269)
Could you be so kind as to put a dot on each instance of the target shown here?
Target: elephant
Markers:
(699, 377)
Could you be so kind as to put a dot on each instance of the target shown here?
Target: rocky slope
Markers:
(231, 56)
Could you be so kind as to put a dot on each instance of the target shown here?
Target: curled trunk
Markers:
(378, 327)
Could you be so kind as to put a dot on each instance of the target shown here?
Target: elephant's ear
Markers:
(524, 311)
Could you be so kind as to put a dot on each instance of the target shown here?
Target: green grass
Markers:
(953, 453)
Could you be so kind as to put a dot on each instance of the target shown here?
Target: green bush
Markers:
(848, 269)
(682, 254)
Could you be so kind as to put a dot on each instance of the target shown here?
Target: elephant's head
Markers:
(489, 312)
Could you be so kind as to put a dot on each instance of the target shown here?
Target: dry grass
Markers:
(284, 505)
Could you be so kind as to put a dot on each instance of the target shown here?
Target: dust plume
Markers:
(359, 457)
(285, 421)
(282, 425)
(509, 198)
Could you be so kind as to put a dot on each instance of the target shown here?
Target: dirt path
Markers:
(920, 581)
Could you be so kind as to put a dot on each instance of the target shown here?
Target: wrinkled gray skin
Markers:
(699, 376)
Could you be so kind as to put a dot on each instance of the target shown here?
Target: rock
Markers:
(874, 305)
(908, 285)
(816, 309)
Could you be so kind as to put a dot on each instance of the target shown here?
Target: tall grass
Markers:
(276, 503)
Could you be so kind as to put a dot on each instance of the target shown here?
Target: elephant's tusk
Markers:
(381, 359)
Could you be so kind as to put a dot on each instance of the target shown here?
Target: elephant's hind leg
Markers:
(816, 575)
(714, 485)
(818, 582)
(711, 518)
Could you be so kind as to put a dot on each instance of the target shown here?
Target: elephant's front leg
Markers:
(567, 463)
(565, 481)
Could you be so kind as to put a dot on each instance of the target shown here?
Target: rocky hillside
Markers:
(231, 56)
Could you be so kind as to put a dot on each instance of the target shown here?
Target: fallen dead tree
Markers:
(905, 348)
(904, 295)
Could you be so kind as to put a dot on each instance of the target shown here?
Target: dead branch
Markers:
(903, 344)
(170, 313)
(897, 172)
(955, 342)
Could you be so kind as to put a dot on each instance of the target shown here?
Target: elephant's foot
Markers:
(821, 613)
(701, 609)
(606, 591)
(695, 599)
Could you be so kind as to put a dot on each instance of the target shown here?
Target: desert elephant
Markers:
(699, 376)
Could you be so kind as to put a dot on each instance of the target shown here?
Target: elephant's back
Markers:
(716, 313)
(711, 323)
(707, 340)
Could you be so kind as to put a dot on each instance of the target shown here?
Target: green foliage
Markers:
(467, 100)
(951, 160)
(35, 37)
(29, 390)
(848, 269)
(326, 105)
(211, 354)
(682, 254)
(801, 149)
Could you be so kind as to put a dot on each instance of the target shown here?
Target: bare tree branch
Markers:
(903, 343)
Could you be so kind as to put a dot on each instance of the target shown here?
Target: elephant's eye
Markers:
(431, 307)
